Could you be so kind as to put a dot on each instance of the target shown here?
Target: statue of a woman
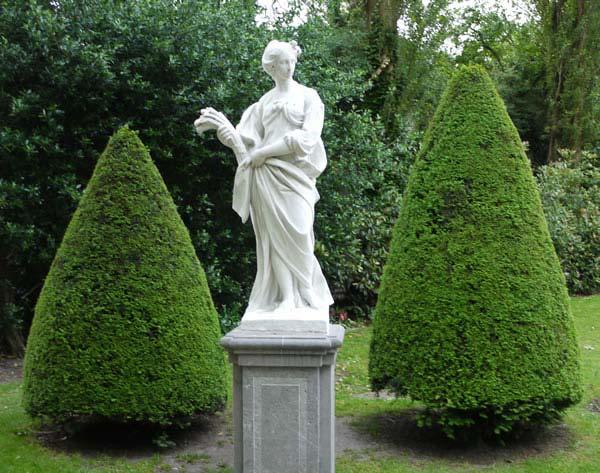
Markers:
(280, 154)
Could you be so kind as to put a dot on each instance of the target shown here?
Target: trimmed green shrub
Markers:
(473, 314)
(570, 191)
(125, 328)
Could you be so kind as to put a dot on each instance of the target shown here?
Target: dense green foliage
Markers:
(473, 316)
(545, 62)
(73, 74)
(511, 54)
(125, 328)
(570, 45)
(75, 71)
(354, 228)
(570, 191)
(407, 71)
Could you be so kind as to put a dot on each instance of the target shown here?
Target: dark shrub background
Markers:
(73, 73)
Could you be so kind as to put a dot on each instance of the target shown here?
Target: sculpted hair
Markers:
(275, 49)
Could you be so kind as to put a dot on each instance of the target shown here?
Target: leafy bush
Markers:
(125, 328)
(570, 191)
(75, 71)
(361, 195)
(473, 314)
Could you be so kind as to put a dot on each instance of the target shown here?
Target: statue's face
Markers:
(284, 66)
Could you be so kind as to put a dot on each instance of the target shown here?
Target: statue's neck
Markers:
(284, 85)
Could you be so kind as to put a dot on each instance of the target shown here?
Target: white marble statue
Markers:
(280, 154)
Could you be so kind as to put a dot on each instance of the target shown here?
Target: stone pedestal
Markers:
(283, 398)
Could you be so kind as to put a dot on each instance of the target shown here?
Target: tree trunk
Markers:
(11, 338)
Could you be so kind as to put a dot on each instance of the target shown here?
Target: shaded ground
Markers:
(399, 435)
(11, 369)
(594, 406)
(207, 446)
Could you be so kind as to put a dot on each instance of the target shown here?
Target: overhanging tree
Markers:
(570, 43)
(125, 328)
(473, 315)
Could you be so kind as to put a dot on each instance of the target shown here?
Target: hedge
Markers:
(125, 328)
(473, 314)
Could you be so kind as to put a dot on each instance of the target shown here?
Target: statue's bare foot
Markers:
(286, 305)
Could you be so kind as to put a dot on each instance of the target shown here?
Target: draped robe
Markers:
(280, 195)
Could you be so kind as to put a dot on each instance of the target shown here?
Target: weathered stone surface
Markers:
(284, 400)
(299, 320)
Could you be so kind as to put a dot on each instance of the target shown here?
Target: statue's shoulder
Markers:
(266, 97)
(310, 94)
(257, 106)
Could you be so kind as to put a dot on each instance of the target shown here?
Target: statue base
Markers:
(283, 396)
(298, 320)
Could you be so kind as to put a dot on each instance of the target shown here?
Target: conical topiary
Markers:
(125, 328)
(473, 315)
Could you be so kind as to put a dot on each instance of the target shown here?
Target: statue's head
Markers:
(279, 59)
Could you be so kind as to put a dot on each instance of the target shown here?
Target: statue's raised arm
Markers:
(280, 154)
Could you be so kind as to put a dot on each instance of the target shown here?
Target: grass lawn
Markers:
(576, 451)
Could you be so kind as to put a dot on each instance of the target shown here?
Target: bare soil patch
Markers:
(385, 395)
(594, 406)
(11, 369)
(399, 435)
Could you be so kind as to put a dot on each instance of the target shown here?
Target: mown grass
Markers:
(21, 452)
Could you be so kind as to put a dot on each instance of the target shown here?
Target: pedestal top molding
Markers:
(242, 339)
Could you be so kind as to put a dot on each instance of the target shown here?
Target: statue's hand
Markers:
(227, 135)
(255, 159)
(211, 119)
(204, 123)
